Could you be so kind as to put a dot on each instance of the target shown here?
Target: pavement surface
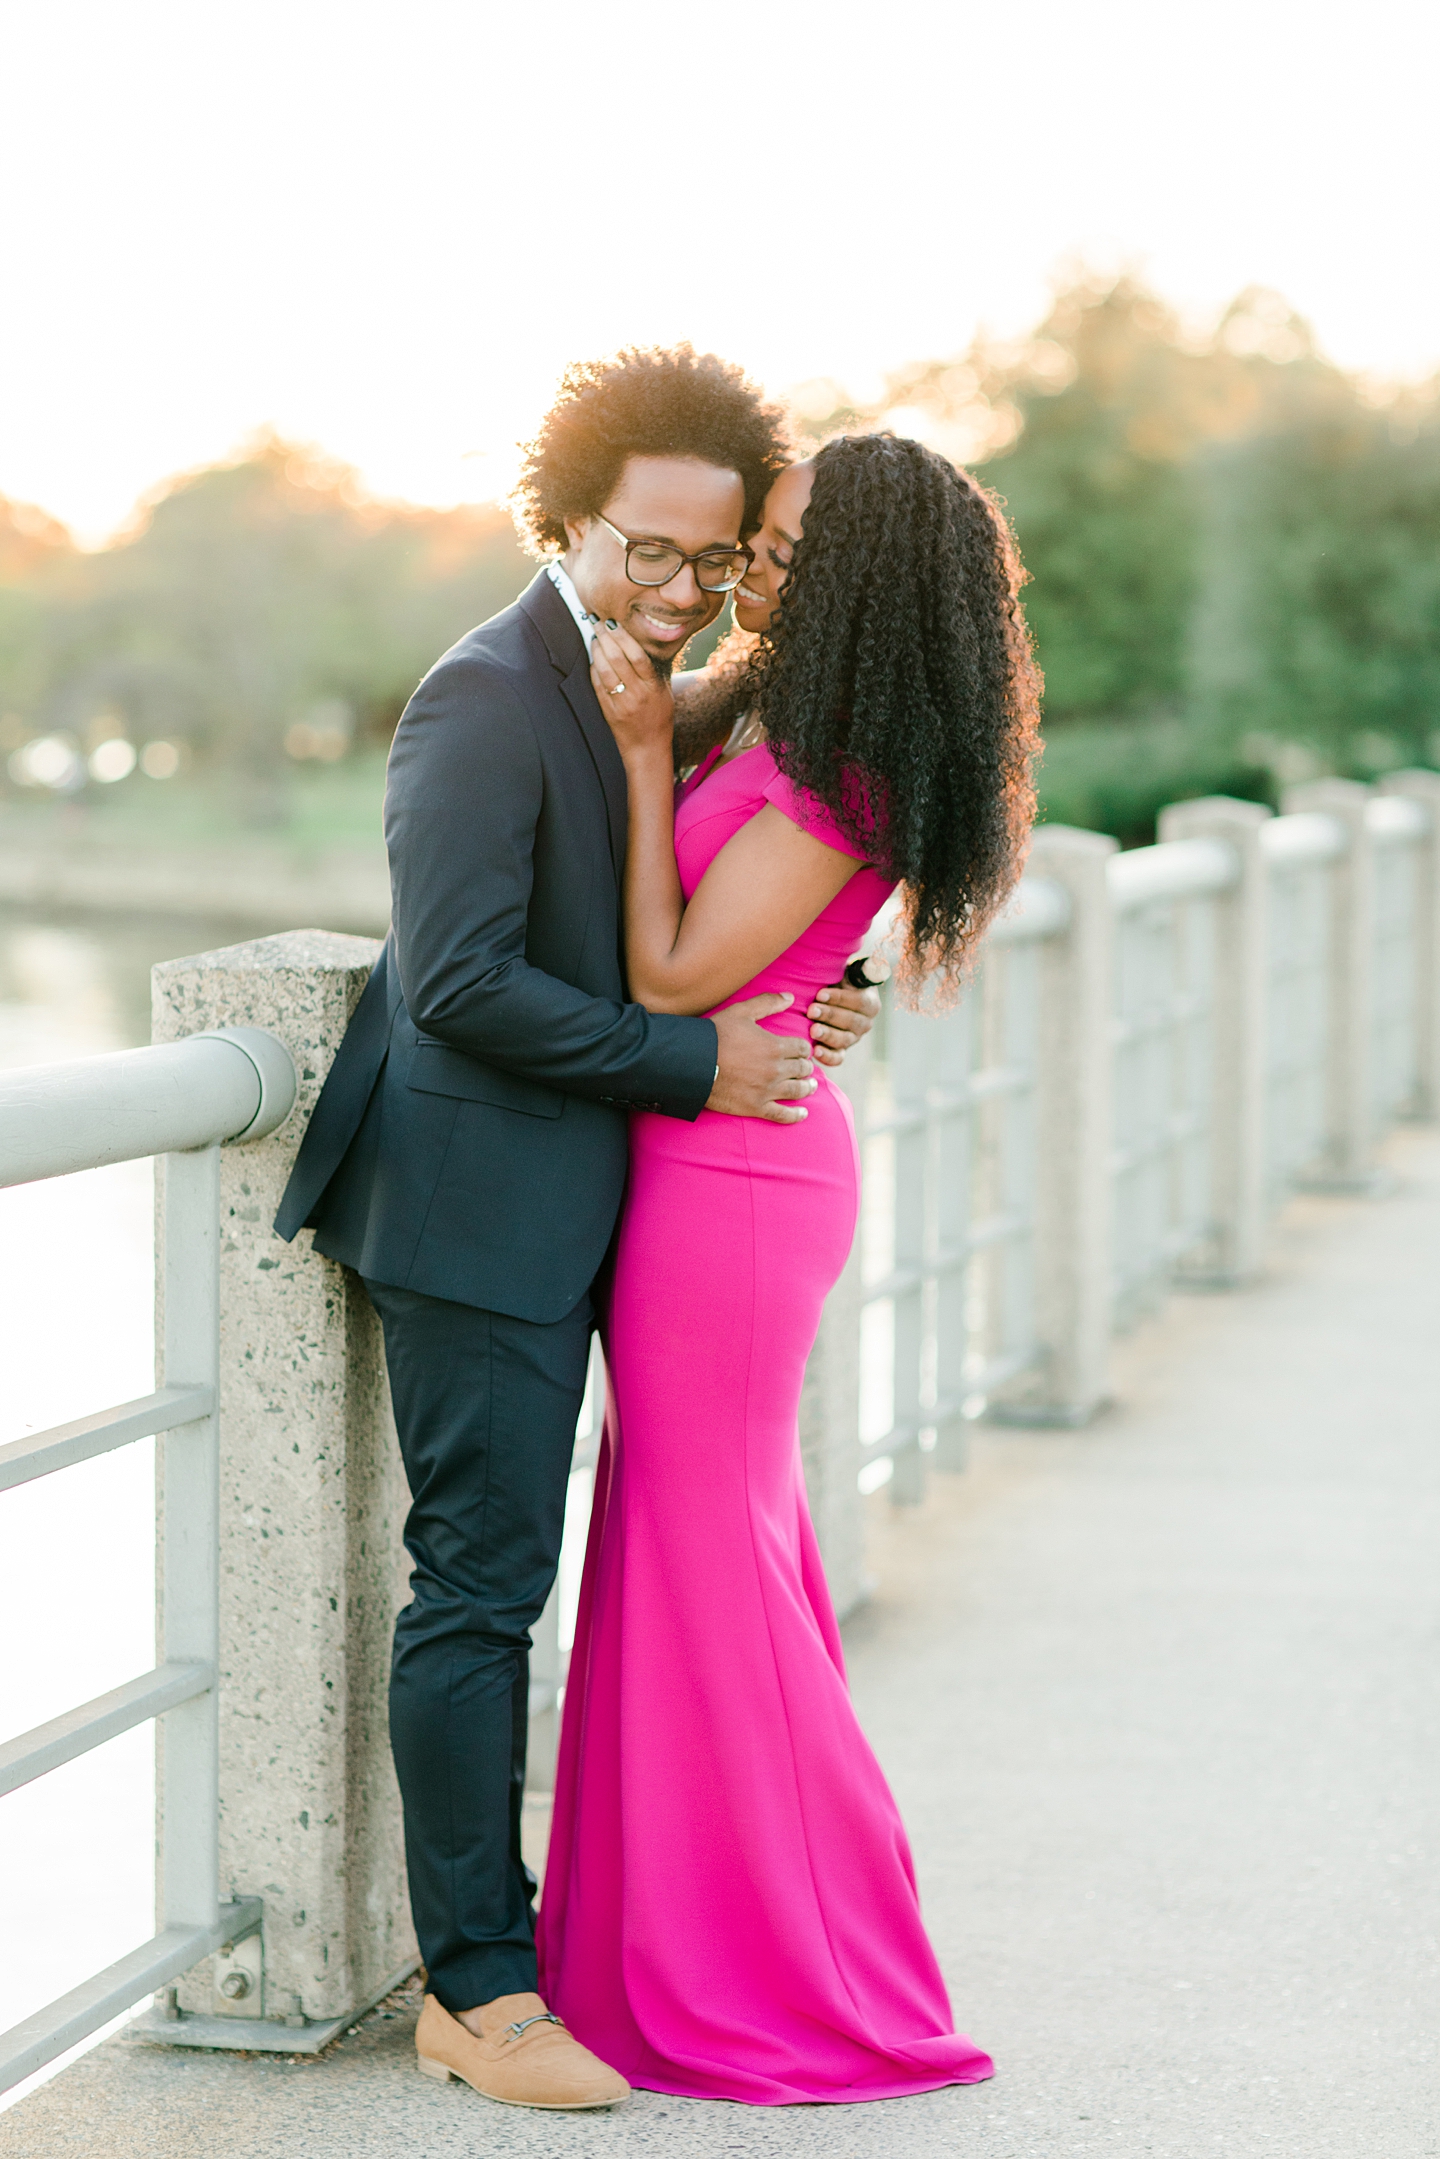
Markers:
(1159, 1701)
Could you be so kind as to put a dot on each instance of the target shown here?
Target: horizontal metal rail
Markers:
(994, 1373)
(231, 1083)
(1176, 1128)
(35, 1753)
(951, 1101)
(105, 1429)
(1394, 819)
(181, 1099)
(950, 1259)
(1182, 1006)
(29, 2045)
(1303, 838)
(1172, 870)
(1040, 907)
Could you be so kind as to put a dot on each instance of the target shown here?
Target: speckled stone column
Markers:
(312, 1569)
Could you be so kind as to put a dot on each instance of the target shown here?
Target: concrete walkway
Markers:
(1159, 1701)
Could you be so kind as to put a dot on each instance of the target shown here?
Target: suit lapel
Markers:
(580, 697)
(568, 657)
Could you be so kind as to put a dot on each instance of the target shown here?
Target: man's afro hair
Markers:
(676, 403)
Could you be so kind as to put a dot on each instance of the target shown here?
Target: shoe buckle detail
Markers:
(545, 2016)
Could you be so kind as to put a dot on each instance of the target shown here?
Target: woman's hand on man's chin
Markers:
(638, 705)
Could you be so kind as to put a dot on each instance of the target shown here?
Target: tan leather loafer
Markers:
(526, 2057)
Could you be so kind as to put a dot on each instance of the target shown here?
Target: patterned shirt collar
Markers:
(561, 579)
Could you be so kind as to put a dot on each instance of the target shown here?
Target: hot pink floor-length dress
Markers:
(730, 1908)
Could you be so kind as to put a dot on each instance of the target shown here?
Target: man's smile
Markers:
(666, 626)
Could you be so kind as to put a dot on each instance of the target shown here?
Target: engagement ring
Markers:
(617, 689)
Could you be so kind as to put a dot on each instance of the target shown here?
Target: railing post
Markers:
(547, 1660)
(1237, 1126)
(950, 1173)
(1424, 788)
(311, 1503)
(1350, 1138)
(911, 1051)
(187, 1540)
(1074, 1142)
(830, 1403)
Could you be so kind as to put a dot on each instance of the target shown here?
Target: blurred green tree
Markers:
(1234, 548)
(248, 600)
(1234, 551)
(1322, 618)
(34, 548)
(1099, 486)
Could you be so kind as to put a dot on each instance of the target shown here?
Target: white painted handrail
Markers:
(1396, 818)
(1040, 907)
(234, 1083)
(1305, 837)
(1173, 870)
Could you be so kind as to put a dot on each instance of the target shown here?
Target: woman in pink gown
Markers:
(730, 1908)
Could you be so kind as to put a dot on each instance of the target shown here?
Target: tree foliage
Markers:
(1234, 547)
(246, 598)
(1234, 551)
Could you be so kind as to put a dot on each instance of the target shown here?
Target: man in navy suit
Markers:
(467, 1156)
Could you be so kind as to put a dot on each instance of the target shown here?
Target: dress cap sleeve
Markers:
(803, 809)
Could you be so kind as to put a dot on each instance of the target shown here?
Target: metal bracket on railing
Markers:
(28, 2046)
(238, 1975)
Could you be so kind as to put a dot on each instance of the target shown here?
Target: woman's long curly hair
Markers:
(899, 686)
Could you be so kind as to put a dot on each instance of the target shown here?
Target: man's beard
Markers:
(664, 665)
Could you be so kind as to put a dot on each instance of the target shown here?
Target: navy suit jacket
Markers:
(470, 1140)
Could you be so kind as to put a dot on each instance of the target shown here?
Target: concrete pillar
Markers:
(1238, 1080)
(830, 1404)
(1075, 1142)
(1348, 1163)
(312, 1500)
(1424, 787)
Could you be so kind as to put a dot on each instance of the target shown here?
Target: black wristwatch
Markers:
(857, 977)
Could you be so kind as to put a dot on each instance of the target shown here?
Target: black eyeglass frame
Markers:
(711, 554)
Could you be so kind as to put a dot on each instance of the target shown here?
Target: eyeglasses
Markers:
(655, 562)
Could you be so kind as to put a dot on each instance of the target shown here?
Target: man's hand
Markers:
(839, 1019)
(761, 1075)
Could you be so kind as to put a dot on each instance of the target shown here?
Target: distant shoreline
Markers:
(255, 882)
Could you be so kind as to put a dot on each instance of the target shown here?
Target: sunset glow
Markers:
(386, 230)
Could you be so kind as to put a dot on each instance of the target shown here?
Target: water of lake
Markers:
(77, 1549)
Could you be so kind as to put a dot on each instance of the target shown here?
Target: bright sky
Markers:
(384, 227)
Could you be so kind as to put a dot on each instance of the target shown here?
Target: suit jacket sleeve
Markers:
(462, 799)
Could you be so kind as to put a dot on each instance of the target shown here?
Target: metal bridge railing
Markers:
(1238, 1011)
(947, 1305)
(1164, 902)
(179, 1101)
(1156, 1048)
(1399, 832)
(1299, 852)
